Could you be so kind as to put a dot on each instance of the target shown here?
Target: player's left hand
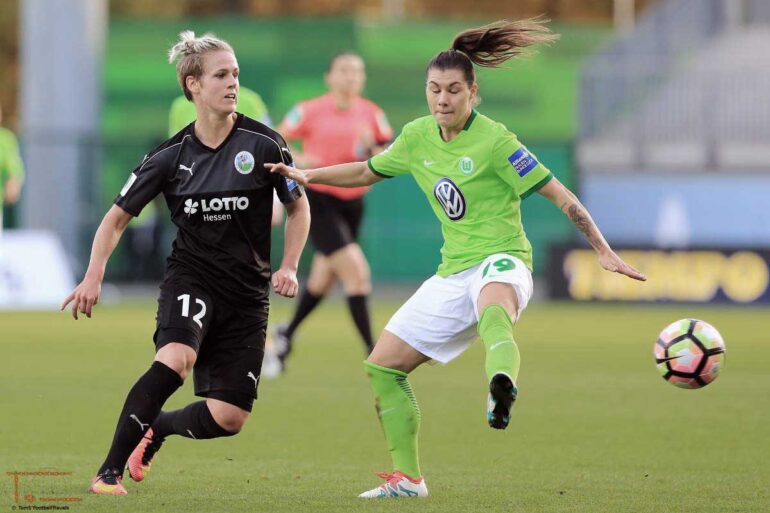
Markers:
(285, 282)
(612, 262)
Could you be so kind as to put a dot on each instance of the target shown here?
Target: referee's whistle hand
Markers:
(298, 175)
(285, 282)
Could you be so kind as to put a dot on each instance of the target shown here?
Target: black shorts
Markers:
(229, 343)
(334, 222)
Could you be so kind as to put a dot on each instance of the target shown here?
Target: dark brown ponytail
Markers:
(492, 45)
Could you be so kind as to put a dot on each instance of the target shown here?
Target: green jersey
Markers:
(474, 184)
(11, 166)
(249, 103)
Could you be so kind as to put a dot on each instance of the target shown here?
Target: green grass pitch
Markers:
(595, 429)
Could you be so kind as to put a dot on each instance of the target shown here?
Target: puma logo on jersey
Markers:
(141, 424)
(251, 375)
(185, 168)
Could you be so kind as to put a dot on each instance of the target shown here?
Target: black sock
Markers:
(193, 421)
(142, 405)
(307, 302)
(360, 312)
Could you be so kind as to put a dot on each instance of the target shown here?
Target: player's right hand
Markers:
(84, 297)
(298, 175)
(612, 262)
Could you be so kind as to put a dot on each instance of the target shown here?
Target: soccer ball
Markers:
(689, 353)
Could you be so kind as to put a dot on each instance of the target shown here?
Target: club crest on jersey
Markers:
(450, 198)
(466, 165)
(244, 162)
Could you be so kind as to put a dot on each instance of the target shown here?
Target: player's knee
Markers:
(178, 357)
(358, 283)
(388, 360)
(233, 421)
(501, 294)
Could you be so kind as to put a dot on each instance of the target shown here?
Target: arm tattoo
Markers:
(580, 218)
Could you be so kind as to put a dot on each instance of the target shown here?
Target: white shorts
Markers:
(440, 319)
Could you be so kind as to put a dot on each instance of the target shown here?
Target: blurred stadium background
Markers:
(657, 112)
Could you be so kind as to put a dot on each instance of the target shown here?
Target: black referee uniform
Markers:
(214, 295)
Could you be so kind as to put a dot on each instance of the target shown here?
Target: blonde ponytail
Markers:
(189, 52)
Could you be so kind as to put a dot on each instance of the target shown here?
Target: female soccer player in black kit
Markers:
(213, 304)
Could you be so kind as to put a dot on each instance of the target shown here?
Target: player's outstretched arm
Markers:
(86, 295)
(353, 174)
(297, 227)
(568, 203)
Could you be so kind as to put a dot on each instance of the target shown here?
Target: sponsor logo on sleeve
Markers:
(291, 184)
(522, 161)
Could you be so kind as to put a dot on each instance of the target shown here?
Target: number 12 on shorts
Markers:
(185, 299)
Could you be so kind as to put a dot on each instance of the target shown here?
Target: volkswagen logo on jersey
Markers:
(244, 162)
(450, 198)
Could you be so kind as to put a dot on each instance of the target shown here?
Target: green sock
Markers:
(496, 330)
(399, 416)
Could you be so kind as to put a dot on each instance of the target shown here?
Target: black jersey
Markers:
(221, 202)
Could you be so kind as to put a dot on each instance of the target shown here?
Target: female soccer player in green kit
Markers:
(474, 173)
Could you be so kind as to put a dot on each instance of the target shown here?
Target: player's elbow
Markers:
(298, 209)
